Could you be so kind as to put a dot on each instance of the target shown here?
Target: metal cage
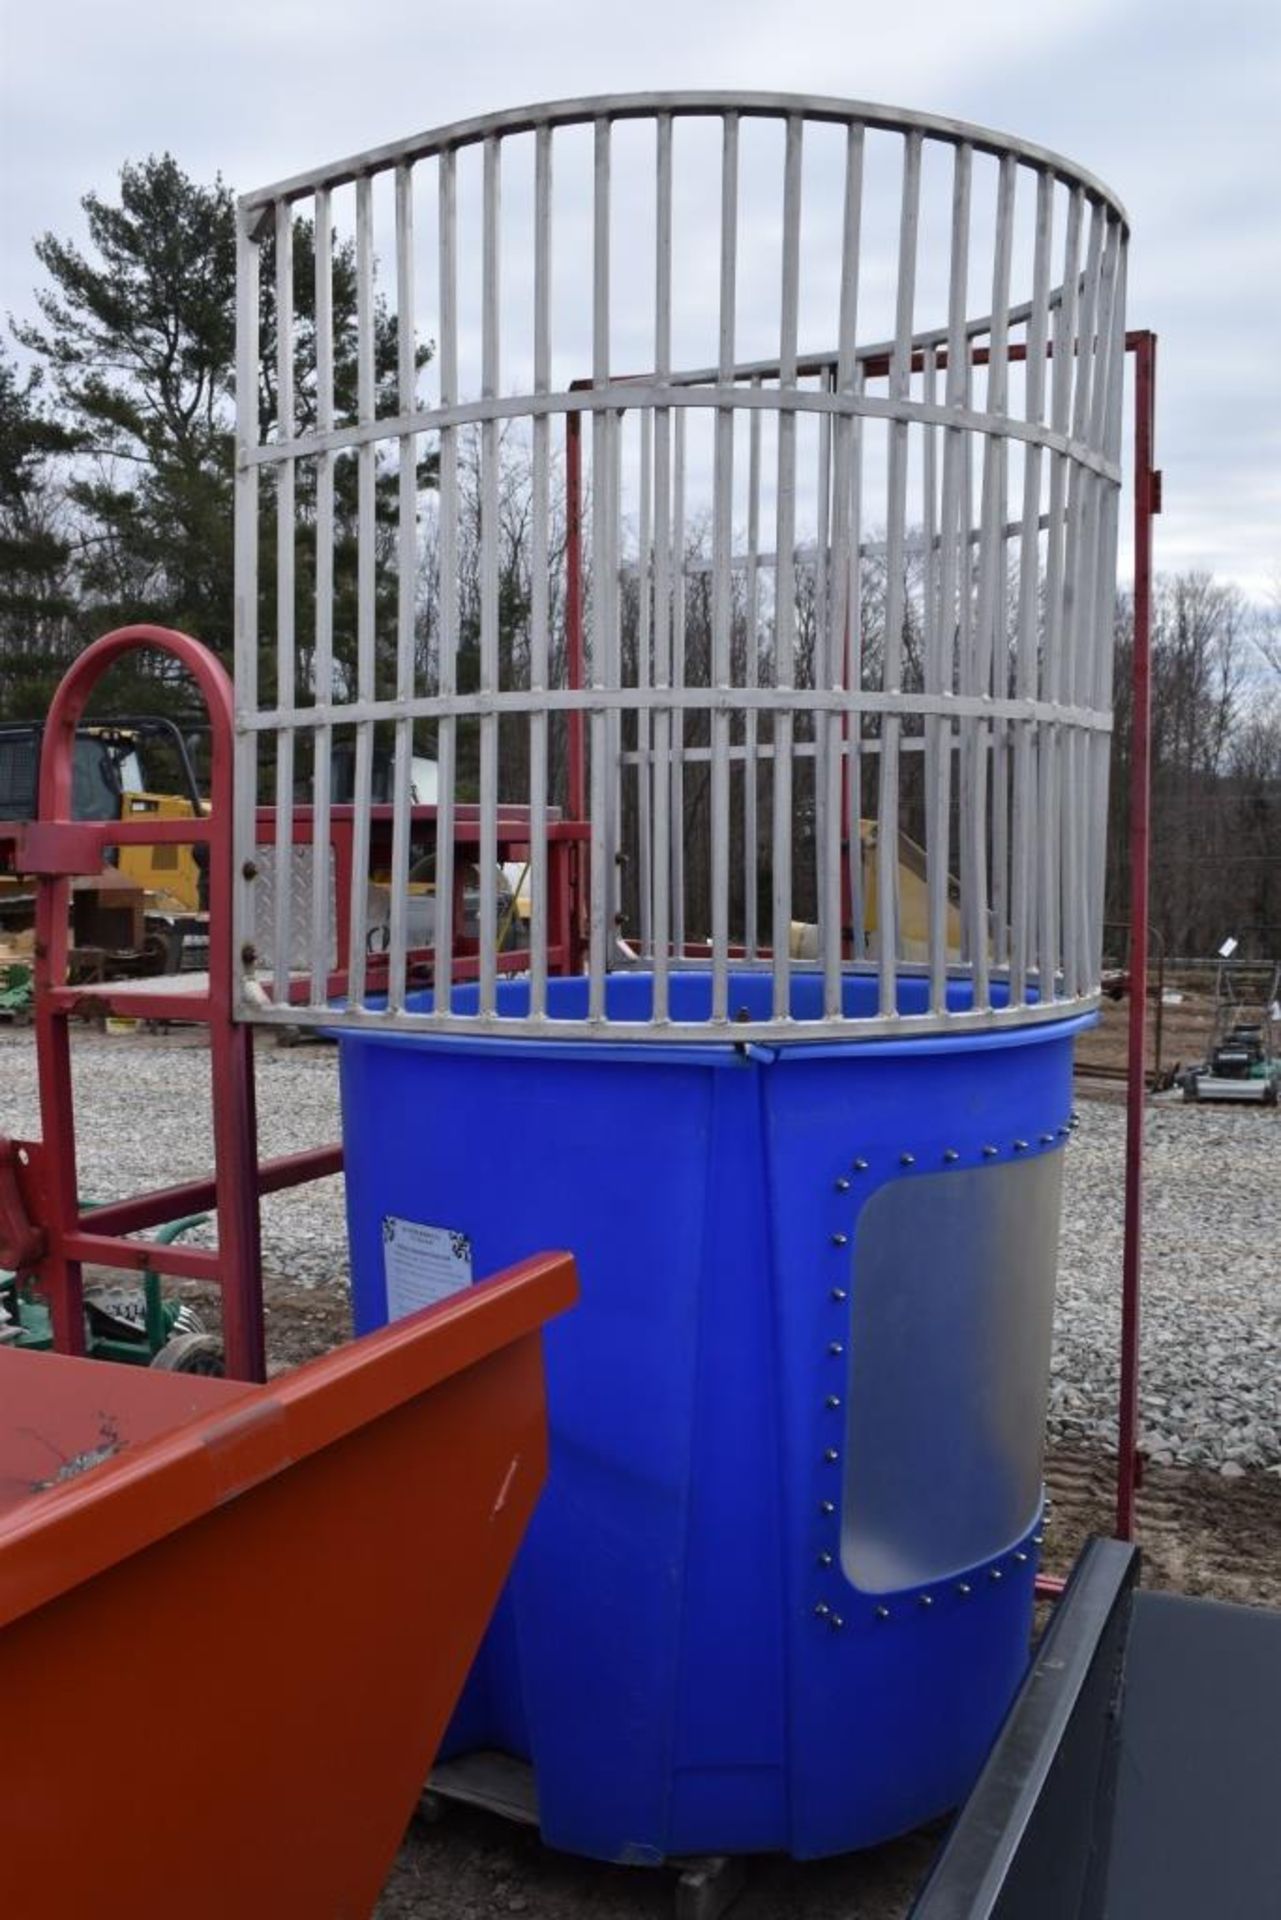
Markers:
(800, 654)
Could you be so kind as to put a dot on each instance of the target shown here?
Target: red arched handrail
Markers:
(57, 764)
(83, 675)
(235, 1183)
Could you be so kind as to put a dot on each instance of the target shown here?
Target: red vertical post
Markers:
(231, 1048)
(576, 671)
(62, 1277)
(1146, 505)
(574, 606)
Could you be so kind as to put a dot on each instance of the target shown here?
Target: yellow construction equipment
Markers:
(913, 904)
(154, 918)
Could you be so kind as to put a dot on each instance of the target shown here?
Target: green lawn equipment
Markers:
(1243, 1063)
(17, 991)
(133, 1324)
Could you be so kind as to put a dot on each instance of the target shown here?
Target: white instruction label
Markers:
(422, 1264)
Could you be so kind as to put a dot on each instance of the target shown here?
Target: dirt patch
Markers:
(473, 1867)
(1200, 1534)
(1180, 1033)
(300, 1322)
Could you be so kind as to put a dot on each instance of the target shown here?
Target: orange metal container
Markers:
(234, 1619)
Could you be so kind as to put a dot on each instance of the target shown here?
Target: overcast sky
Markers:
(1177, 107)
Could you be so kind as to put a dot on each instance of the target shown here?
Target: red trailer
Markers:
(323, 1553)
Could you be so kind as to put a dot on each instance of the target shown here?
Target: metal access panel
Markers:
(731, 478)
(953, 1290)
(302, 885)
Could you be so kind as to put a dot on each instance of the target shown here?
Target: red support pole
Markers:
(574, 606)
(1146, 505)
(60, 1272)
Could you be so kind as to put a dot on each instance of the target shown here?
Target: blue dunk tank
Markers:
(778, 1593)
(727, 746)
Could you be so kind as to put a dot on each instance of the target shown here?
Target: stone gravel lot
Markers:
(1209, 1512)
(1212, 1315)
(144, 1120)
(1211, 1285)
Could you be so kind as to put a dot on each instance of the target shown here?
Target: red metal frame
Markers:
(574, 605)
(53, 849)
(1147, 503)
(42, 1229)
(512, 846)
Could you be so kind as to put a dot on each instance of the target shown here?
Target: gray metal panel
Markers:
(298, 957)
(952, 1311)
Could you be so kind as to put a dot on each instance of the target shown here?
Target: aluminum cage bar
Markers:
(807, 655)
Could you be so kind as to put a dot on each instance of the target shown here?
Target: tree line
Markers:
(116, 482)
(1216, 769)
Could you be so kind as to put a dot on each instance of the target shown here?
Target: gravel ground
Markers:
(1211, 1351)
(1212, 1315)
(1209, 1511)
(143, 1120)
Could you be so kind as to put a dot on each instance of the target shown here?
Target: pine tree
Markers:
(138, 336)
(139, 340)
(35, 602)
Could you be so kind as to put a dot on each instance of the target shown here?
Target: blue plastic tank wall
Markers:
(681, 1651)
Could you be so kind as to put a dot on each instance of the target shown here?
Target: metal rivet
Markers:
(989, 1153)
(925, 1599)
(950, 1154)
(842, 1185)
(907, 1159)
(1064, 1132)
(1020, 1146)
(824, 1559)
(835, 1622)
(822, 1609)
(830, 1455)
(860, 1166)
(835, 1349)
(964, 1588)
(994, 1574)
(833, 1400)
(1020, 1559)
(1038, 1539)
(839, 1293)
(1047, 1139)
(827, 1506)
(882, 1613)
(840, 1239)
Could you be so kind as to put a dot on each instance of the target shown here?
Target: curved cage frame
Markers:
(820, 785)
